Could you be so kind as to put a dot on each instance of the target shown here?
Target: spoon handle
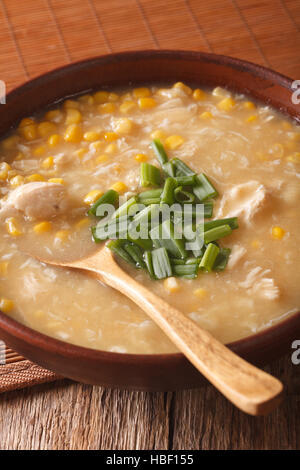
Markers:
(249, 388)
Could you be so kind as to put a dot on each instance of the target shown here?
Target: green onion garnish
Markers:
(161, 263)
(204, 189)
(150, 175)
(208, 260)
(110, 197)
(217, 233)
(168, 195)
(160, 152)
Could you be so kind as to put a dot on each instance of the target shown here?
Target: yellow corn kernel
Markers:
(42, 227)
(113, 97)
(68, 104)
(141, 92)
(146, 103)
(3, 268)
(92, 196)
(47, 163)
(12, 227)
(39, 150)
(127, 106)
(123, 125)
(86, 99)
(56, 180)
(106, 108)
(62, 235)
(294, 157)
(45, 128)
(277, 233)
(81, 152)
(200, 292)
(101, 96)
(286, 125)
(91, 136)
(82, 223)
(29, 132)
(255, 244)
(53, 140)
(73, 133)
(17, 180)
(249, 105)
(4, 169)
(198, 94)
(120, 187)
(183, 87)
(34, 177)
(111, 148)
(262, 156)
(73, 116)
(171, 284)
(110, 136)
(206, 115)
(10, 142)
(26, 122)
(101, 159)
(141, 157)
(54, 115)
(252, 118)
(158, 134)
(174, 141)
(6, 305)
(226, 104)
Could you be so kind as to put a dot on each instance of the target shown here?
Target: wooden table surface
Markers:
(38, 35)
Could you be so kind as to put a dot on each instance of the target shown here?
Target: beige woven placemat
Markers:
(39, 35)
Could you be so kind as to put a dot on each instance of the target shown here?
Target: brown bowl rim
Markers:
(49, 344)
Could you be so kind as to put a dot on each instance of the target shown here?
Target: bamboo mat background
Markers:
(39, 35)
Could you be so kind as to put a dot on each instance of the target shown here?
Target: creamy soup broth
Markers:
(89, 144)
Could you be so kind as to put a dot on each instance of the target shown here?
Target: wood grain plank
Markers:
(36, 35)
(292, 8)
(124, 25)
(66, 415)
(277, 35)
(82, 38)
(174, 25)
(225, 30)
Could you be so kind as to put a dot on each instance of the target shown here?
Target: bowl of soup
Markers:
(73, 134)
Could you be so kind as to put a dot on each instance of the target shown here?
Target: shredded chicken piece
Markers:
(35, 200)
(257, 283)
(243, 200)
(236, 255)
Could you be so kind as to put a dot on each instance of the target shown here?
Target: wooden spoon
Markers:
(247, 387)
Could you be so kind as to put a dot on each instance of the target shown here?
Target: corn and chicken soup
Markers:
(56, 165)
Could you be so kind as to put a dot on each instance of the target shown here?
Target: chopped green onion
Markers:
(204, 188)
(148, 263)
(169, 169)
(185, 197)
(150, 175)
(181, 168)
(117, 247)
(188, 271)
(208, 260)
(163, 236)
(231, 221)
(136, 254)
(161, 263)
(110, 197)
(124, 208)
(167, 196)
(114, 228)
(217, 233)
(189, 180)
(222, 259)
(160, 152)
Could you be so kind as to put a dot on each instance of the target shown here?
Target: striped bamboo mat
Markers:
(39, 35)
